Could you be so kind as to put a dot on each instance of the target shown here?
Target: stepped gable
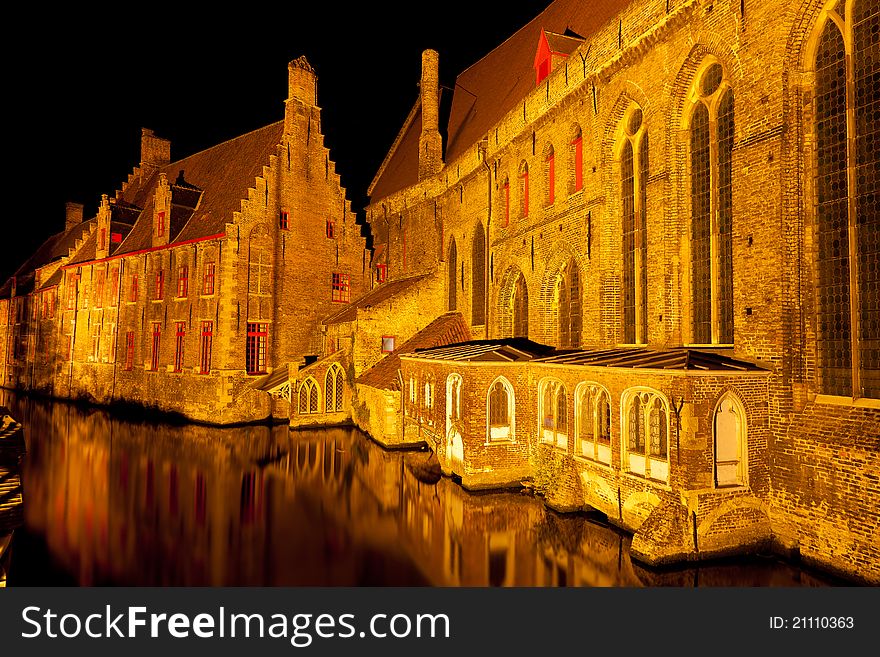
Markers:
(375, 296)
(449, 328)
(222, 173)
(490, 88)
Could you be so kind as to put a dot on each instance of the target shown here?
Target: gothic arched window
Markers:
(554, 413)
(847, 129)
(593, 418)
(711, 149)
(520, 308)
(452, 281)
(478, 277)
(501, 409)
(646, 432)
(334, 385)
(634, 186)
(568, 305)
(308, 397)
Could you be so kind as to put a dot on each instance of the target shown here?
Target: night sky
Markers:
(87, 83)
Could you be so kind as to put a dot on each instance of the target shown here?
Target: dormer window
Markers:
(553, 48)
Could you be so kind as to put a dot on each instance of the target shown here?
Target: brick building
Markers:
(677, 198)
(188, 286)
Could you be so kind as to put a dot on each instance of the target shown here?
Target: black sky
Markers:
(83, 85)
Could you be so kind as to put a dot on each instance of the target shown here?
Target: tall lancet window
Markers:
(634, 196)
(478, 277)
(520, 308)
(568, 305)
(847, 116)
(711, 150)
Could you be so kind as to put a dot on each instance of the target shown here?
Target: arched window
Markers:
(568, 305)
(554, 413)
(500, 410)
(523, 189)
(729, 430)
(520, 308)
(451, 282)
(576, 158)
(549, 175)
(429, 393)
(505, 202)
(711, 148)
(453, 400)
(308, 397)
(847, 207)
(593, 417)
(646, 416)
(634, 186)
(478, 277)
(334, 385)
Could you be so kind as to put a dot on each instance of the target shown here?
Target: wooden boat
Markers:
(12, 445)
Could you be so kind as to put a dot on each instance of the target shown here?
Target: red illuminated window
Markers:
(524, 190)
(208, 283)
(160, 284)
(341, 288)
(256, 348)
(129, 350)
(71, 294)
(284, 220)
(160, 224)
(154, 352)
(133, 295)
(115, 238)
(207, 344)
(182, 281)
(103, 239)
(180, 338)
(381, 273)
(331, 229)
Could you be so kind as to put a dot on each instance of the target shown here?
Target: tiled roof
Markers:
(506, 350)
(53, 280)
(492, 87)
(447, 329)
(55, 247)
(375, 296)
(643, 358)
(224, 173)
(271, 381)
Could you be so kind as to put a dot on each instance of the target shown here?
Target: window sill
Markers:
(660, 483)
(206, 296)
(860, 402)
(586, 460)
(708, 346)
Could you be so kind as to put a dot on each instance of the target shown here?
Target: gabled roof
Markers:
(55, 247)
(446, 329)
(372, 298)
(223, 173)
(492, 87)
(504, 350)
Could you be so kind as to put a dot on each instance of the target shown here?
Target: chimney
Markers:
(155, 151)
(74, 213)
(430, 142)
(302, 96)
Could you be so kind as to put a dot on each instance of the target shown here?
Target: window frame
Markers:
(256, 348)
(551, 434)
(340, 287)
(644, 464)
(600, 451)
(505, 431)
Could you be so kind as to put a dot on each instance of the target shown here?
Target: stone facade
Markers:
(569, 213)
(199, 276)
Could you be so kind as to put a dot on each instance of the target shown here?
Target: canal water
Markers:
(112, 501)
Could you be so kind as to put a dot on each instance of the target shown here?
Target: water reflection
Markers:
(114, 502)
